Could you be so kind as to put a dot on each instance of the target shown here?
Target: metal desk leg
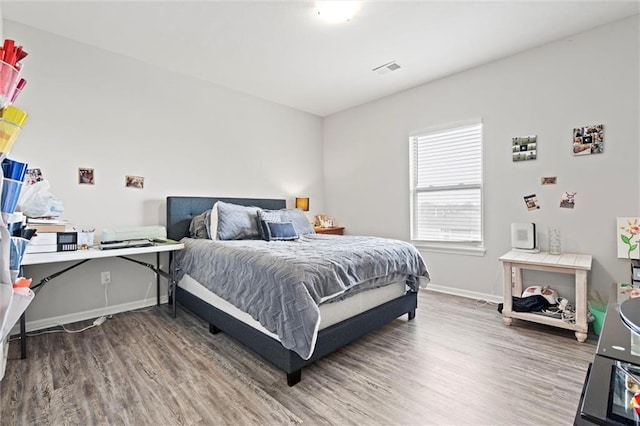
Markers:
(172, 285)
(170, 276)
(158, 277)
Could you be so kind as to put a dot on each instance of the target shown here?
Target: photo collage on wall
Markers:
(588, 140)
(524, 148)
(585, 140)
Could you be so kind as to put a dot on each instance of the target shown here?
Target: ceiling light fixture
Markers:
(337, 11)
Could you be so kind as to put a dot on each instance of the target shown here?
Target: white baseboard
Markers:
(115, 309)
(465, 293)
(85, 315)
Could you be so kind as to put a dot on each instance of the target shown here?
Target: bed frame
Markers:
(180, 211)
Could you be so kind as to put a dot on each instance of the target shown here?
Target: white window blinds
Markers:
(446, 185)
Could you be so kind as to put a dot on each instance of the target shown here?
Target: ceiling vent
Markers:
(387, 68)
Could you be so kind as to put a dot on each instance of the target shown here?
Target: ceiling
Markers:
(282, 52)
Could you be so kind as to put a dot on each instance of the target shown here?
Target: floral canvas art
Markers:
(628, 236)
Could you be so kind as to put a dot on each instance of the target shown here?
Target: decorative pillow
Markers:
(211, 221)
(295, 216)
(280, 231)
(197, 227)
(270, 216)
(237, 222)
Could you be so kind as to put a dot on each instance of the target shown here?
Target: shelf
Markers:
(543, 319)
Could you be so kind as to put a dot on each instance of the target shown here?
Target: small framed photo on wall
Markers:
(33, 176)
(568, 200)
(531, 201)
(134, 182)
(548, 180)
(86, 176)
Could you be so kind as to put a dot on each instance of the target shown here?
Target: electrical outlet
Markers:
(105, 277)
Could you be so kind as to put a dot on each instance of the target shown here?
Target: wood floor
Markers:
(455, 364)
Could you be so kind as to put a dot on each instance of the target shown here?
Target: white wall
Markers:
(91, 108)
(591, 78)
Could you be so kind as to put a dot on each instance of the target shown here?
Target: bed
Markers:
(289, 333)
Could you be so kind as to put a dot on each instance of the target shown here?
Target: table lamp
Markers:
(302, 204)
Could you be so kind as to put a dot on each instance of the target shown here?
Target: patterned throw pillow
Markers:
(267, 216)
(280, 231)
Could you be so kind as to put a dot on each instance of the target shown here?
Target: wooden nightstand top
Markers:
(335, 230)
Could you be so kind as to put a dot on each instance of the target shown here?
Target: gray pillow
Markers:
(299, 220)
(237, 222)
(197, 227)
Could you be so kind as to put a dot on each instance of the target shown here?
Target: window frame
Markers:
(476, 248)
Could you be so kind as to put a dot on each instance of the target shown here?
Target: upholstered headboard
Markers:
(180, 210)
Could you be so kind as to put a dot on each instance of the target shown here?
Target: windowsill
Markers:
(450, 248)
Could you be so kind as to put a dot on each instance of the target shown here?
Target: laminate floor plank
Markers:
(456, 363)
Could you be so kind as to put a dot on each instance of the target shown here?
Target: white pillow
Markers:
(213, 222)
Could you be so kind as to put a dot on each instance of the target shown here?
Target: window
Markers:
(446, 186)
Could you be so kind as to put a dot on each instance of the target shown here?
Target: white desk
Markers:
(83, 256)
(566, 263)
(95, 253)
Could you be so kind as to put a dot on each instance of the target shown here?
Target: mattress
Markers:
(330, 313)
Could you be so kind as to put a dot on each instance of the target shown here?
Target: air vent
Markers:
(387, 68)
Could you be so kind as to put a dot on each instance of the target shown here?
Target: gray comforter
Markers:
(281, 283)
